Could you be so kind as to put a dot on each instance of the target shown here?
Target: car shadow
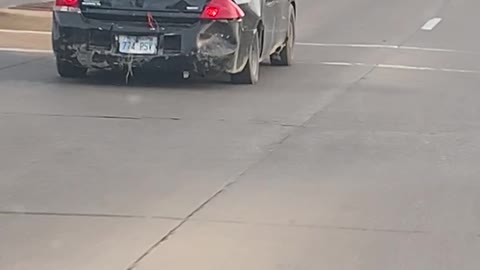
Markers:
(155, 79)
(152, 79)
(43, 71)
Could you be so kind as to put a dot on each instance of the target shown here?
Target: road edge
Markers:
(26, 13)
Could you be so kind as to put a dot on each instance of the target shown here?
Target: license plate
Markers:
(137, 45)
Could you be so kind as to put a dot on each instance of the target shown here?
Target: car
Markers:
(188, 36)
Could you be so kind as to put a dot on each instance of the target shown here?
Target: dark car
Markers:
(199, 36)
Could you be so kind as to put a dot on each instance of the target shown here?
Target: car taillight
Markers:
(222, 10)
(67, 5)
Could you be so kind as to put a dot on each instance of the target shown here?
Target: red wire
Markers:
(150, 20)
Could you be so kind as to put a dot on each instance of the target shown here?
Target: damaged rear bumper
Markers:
(187, 45)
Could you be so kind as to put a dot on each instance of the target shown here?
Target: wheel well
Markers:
(294, 4)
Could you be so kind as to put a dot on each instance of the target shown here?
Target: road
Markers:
(363, 155)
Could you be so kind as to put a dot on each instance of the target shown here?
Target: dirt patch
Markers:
(25, 22)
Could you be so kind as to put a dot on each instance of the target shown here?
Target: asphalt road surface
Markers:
(363, 155)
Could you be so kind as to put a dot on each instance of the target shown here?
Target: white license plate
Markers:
(137, 45)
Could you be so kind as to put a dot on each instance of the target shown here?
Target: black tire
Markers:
(69, 70)
(250, 73)
(285, 56)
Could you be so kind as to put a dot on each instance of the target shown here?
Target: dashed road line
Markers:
(383, 46)
(431, 24)
(391, 66)
(348, 45)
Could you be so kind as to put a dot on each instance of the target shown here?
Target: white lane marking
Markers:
(382, 46)
(367, 46)
(451, 70)
(436, 50)
(431, 24)
(401, 67)
(21, 50)
(339, 64)
(12, 31)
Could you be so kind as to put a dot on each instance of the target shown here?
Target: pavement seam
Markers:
(346, 90)
(22, 63)
(313, 226)
(197, 209)
(217, 221)
(166, 118)
(330, 227)
(237, 178)
(92, 215)
(113, 117)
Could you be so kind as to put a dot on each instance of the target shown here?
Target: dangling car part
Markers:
(198, 36)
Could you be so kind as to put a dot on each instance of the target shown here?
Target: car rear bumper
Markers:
(196, 46)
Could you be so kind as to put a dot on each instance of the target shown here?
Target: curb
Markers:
(26, 13)
(25, 20)
(26, 28)
(44, 5)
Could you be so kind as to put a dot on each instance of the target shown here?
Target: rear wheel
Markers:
(285, 56)
(69, 70)
(250, 73)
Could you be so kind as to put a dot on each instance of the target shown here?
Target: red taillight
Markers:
(222, 10)
(67, 6)
(211, 12)
(67, 3)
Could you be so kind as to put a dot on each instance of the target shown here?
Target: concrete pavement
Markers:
(357, 157)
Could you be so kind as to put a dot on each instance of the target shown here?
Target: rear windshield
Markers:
(172, 5)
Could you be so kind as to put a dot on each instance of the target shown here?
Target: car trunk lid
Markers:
(189, 6)
(164, 11)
